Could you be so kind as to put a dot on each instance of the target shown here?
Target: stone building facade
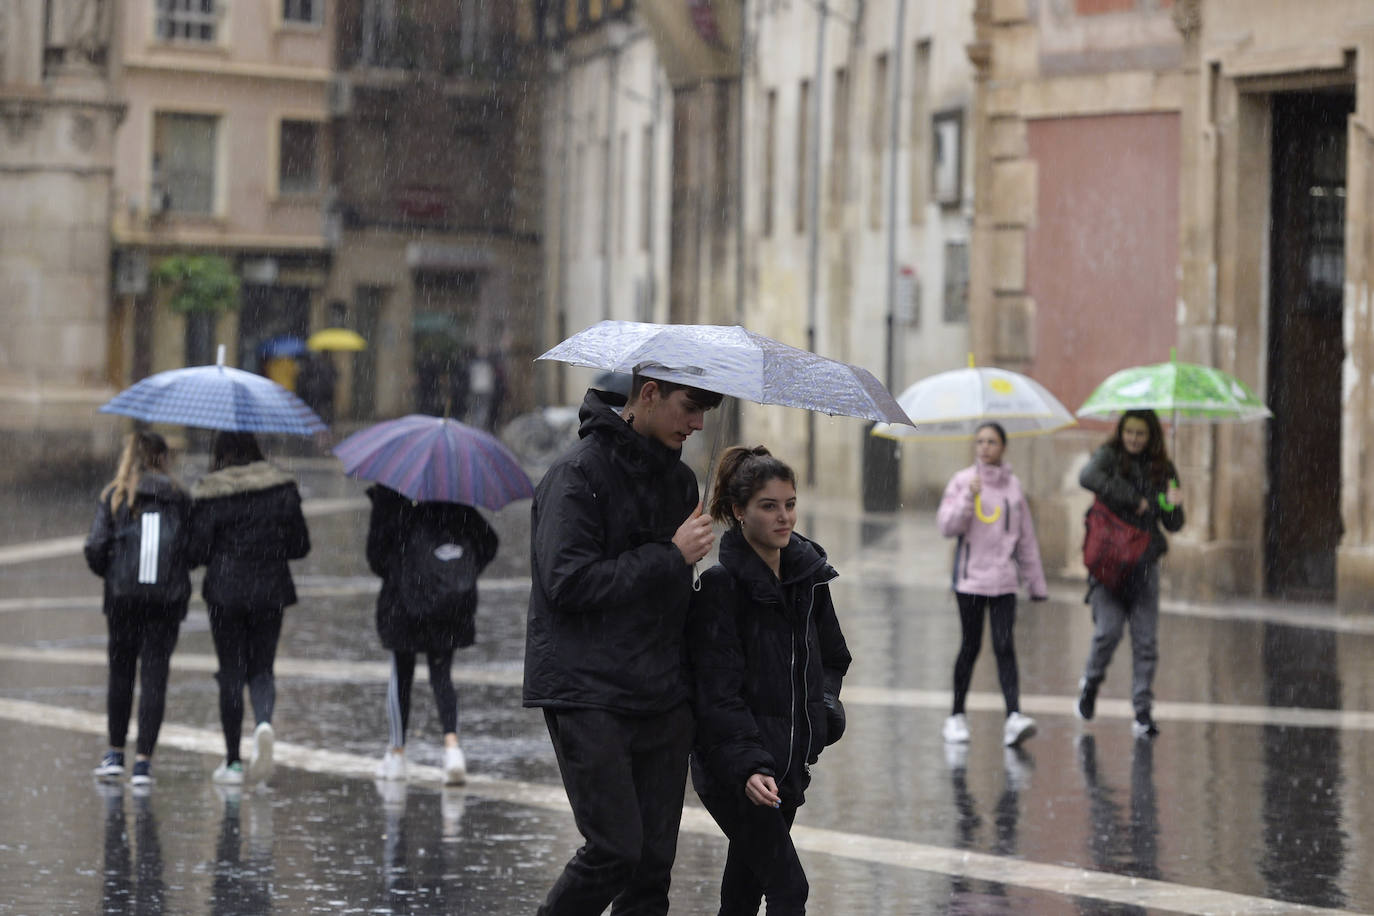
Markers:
(58, 121)
(743, 149)
(436, 198)
(1190, 175)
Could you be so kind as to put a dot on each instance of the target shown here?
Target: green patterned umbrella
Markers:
(1188, 392)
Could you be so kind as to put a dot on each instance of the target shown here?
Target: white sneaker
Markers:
(228, 774)
(455, 766)
(260, 761)
(392, 767)
(1017, 729)
(955, 730)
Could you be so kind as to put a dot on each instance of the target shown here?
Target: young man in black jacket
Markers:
(617, 527)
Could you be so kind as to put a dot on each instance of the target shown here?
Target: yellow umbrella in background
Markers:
(336, 339)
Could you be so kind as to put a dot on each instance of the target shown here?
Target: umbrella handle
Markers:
(696, 577)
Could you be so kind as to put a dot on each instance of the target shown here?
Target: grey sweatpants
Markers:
(1110, 618)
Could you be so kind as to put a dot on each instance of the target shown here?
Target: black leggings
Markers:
(139, 631)
(1002, 611)
(246, 644)
(398, 692)
(761, 863)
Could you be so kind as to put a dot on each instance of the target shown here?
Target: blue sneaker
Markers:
(143, 773)
(111, 765)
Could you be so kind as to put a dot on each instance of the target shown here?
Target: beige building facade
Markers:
(436, 201)
(224, 152)
(1190, 175)
(59, 117)
(607, 128)
(743, 149)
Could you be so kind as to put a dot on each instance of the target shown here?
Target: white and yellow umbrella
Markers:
(952, 405)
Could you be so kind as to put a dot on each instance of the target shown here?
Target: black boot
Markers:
(1087, 699)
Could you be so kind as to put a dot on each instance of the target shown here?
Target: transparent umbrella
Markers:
(952, 405)
(734, 362)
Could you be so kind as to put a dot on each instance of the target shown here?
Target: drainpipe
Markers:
(893, 140)
(560, 371)
(608, 171)
(651, 191)
(813, 224)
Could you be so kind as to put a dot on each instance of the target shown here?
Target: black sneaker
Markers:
(1087, 700)
(111, 765)
(143, 773)
(1144, 726)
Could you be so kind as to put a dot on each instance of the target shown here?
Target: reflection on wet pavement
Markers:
(1247, 802)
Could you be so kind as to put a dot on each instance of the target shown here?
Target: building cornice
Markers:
(191, 238)
(229, 68)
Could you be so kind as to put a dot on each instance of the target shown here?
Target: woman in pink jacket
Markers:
(984, 508)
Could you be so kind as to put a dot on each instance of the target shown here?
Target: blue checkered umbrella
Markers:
(732, 361)
(216, 397)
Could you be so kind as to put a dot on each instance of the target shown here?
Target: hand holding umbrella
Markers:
(694, 537)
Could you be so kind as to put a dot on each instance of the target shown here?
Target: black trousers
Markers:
(1002, 614)
(139, 632)
(625, 777)
(403, 679)
(761, 862)
(246, 646)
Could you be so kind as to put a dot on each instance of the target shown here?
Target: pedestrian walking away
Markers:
(615, 530)
(137, 544)
(246, 523)
(1132, 475)
(428, 555)
(768, 658)
(996, 551)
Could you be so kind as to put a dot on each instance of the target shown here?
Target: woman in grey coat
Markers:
(1132, 475)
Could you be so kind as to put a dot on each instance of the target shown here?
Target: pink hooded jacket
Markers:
(997, 550)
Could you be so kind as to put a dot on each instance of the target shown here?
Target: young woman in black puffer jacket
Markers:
(246, 522)
(767, 658)
(137, 545)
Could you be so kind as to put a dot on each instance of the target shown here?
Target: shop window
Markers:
(300, 157)
(184, 148)
(956, 282)
(305, 12)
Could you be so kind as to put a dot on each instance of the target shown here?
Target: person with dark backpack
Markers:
(137, 544)
(429, 555)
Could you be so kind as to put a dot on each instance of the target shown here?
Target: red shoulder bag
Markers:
(1112, 548)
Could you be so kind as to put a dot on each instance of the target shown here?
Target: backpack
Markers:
(144, 557)
(438, 574)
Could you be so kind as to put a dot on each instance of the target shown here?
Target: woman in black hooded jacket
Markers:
(246, 523)
(767, 657)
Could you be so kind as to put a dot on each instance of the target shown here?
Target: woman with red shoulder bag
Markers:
(1132, 476)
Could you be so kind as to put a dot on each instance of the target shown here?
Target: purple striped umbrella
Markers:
(436, 460)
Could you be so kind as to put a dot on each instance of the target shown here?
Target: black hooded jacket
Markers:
(399, 525)
(608, 600)
(155, 492)
(764, 650)
(246, 522)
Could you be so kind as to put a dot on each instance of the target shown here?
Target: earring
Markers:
(630, 418)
